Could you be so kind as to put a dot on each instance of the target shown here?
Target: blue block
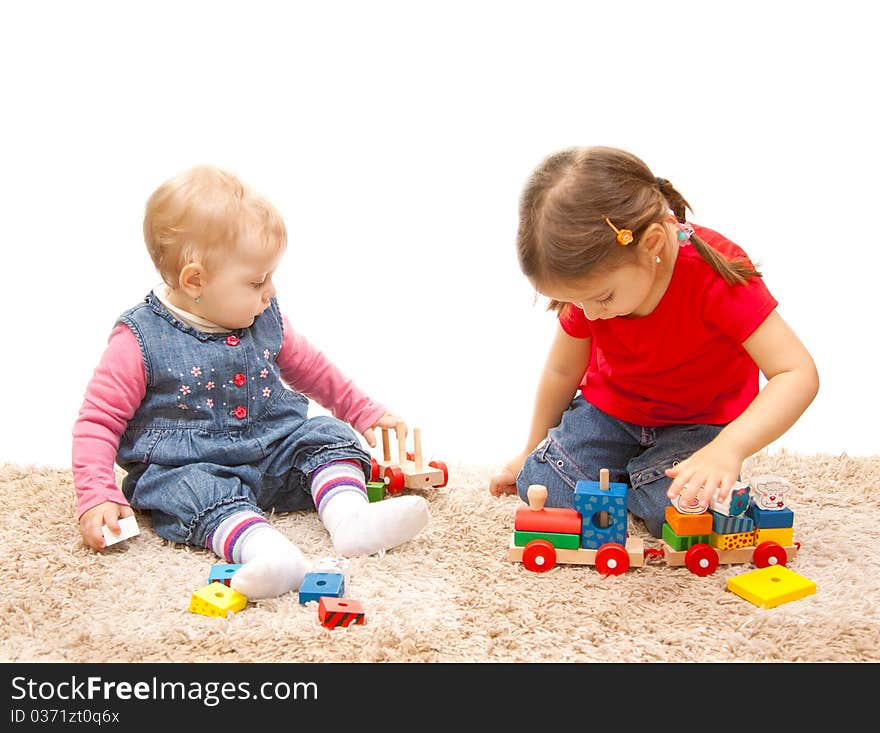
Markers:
(315, 585)
(770, 518)
(222, 572)
(589, 500)
(722, 524)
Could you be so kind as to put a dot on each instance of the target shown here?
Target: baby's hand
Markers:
(504, 481)
(108, 513)
(389, 421)
(708, 474)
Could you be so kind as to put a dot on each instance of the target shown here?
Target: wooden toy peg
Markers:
(386, 447)
(417, 448)
(401, 443)
(603, 485)
(537, 496)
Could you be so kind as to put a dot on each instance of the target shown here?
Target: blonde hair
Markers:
(563, 232)
(204, 213)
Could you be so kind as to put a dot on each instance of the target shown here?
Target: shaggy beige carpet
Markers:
(449, 595)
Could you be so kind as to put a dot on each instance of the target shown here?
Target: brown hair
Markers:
(562, 229)
(204, 213)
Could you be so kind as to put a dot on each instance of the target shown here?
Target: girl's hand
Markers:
(708, 474)
(108, 513)
(504, 481)
(389, 421)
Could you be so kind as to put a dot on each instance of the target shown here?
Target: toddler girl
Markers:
(662, 328)
(191, 398)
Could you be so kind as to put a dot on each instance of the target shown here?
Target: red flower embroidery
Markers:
(232, 340)
(239, 379)
(240, 412)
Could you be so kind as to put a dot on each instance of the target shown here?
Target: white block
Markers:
(736, 503)
(128, 528)
(695, 508)
(770, 491)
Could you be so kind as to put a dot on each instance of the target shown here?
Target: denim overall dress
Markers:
(218, 431)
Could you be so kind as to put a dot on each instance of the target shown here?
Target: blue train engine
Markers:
(593, 533)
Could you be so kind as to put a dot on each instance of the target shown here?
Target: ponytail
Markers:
(734, 272)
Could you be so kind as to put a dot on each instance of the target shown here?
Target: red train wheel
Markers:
(539, 556)
(374, 469)
(394, 481)
(769, 553)
(441, 466)
(701, 559)
(612, 559)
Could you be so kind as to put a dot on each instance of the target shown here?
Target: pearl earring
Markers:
(656, 259)
(199, 299)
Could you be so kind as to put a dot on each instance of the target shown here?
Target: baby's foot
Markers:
(272, 568)
(370, 528)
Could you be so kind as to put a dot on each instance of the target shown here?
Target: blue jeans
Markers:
(188, 501)
(588, 439)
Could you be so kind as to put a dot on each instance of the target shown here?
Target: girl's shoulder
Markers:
(719, 242)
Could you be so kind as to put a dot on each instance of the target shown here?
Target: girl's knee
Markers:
(648, 502)
(559, 491)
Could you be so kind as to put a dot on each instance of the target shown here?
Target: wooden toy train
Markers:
(743, 528)
(408, 471)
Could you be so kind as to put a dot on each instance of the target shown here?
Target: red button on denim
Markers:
(232, 340)
(238, 380)
(240, 412)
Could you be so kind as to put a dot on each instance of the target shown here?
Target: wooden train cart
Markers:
(702, 559)
(409, 470)
(612, 558)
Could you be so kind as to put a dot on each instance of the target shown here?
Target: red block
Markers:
(551, 519)
(334, 612)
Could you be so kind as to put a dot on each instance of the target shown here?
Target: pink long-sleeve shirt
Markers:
(119, 384)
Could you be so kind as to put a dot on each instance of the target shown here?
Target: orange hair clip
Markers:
(624, 236)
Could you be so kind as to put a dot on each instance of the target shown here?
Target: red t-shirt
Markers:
(683, 363)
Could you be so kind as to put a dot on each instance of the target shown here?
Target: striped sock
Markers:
(335, 478)
(271, 564)
(229, 536)
(356, 526)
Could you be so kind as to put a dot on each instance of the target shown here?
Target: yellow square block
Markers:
(732, 541)
(771, 586)
(216, 599)
(781, 535)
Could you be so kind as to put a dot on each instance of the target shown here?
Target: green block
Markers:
(682, 542)
(375, 490)
(562, 541)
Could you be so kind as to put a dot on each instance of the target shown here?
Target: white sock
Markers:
(358, 527)
(271, 564)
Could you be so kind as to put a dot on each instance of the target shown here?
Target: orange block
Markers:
(685, 525)
(552, 519)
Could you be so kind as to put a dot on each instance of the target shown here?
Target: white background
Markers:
(395, 138)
